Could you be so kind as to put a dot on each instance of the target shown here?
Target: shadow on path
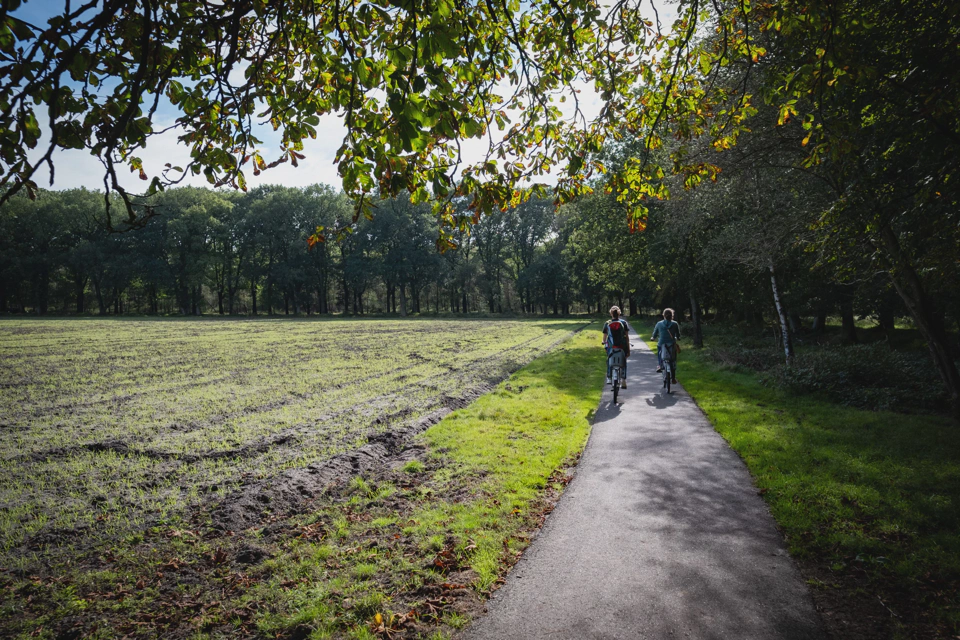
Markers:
(660, 535)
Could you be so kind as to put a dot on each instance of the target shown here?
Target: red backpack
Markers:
(617, 334)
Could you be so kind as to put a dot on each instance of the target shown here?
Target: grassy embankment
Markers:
(869, 501)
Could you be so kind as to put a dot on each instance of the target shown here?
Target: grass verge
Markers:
(869, 501)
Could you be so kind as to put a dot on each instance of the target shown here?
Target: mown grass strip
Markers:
(869, 501)
(393, 548)
(515, 438)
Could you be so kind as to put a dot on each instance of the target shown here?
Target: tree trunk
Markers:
(403, 300)
(796, 322)
(80, 284)
(908, 284)
(885, 318)
(782, 315)
(695, 315)
(819, 323)
(253, 296)
(847, 322)
(43, 293)
(101, 303)
(183, 296)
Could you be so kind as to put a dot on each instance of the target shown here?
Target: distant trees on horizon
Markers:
(228, 253)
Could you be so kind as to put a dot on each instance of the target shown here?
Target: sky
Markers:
(77, 168)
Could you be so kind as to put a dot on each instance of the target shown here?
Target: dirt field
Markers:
(114, 429)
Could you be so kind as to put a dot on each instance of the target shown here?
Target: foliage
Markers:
(887, 372)
(246, 253)
(867, 376)
(410, 80)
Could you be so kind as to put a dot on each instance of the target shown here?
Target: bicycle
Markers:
(617, 360)
(667, 365)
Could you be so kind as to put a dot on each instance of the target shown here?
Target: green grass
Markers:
(189, 411)
(473, 513)
(120, 419)
(873, 498)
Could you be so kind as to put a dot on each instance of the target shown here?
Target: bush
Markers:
(869, 376)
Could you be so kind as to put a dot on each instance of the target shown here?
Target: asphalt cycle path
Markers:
(661, 534)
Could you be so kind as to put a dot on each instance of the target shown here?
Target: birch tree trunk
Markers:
(782, 315)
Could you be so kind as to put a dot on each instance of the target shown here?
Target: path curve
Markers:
(661, 534)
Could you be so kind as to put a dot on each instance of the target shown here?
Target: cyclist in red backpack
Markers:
(616, 335)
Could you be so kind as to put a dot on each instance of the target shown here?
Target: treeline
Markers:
(216, 252)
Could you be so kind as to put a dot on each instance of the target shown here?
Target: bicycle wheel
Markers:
(616, 390)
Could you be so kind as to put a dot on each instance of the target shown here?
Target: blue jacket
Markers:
(666, 333)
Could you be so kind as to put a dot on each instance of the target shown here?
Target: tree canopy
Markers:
(411, 80)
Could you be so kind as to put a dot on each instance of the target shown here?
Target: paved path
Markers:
(660, 535)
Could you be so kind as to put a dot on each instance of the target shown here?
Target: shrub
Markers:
(869, 376)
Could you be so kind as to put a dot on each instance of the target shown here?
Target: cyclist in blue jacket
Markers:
(666, 333)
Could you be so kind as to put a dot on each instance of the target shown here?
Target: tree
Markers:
(611, 263)
(190, 218)
(875, 87)
(326, 207)
(491, 235)
(527, 226)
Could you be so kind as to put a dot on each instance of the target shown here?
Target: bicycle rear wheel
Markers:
(616, 389)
